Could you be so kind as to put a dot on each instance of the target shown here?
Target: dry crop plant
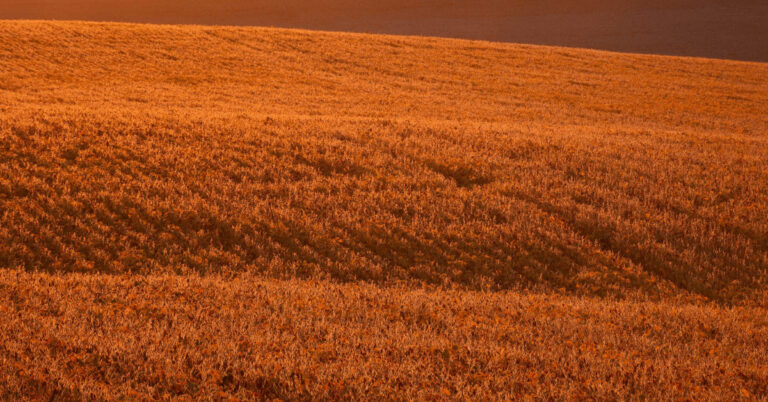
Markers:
(169, 337)
(208, 191)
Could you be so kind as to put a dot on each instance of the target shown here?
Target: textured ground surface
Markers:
(177, 203)
(187, 337)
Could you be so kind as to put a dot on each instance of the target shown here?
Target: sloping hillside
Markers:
(130, 148)
(253, 212)
(730, 29)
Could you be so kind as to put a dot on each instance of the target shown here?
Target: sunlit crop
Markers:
(241, 212)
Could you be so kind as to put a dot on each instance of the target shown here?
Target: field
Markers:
(728, 29)
(215, 212)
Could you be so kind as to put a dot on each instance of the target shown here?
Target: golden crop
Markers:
(189, 337)
(251, 212)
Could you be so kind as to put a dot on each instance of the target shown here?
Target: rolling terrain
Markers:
(191, 211)
(728, 29)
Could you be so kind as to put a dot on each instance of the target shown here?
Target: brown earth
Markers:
(707, 28)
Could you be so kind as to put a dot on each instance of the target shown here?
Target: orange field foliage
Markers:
(244, 212)
(190, 337)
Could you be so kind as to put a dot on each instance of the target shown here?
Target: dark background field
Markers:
(707, 28)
